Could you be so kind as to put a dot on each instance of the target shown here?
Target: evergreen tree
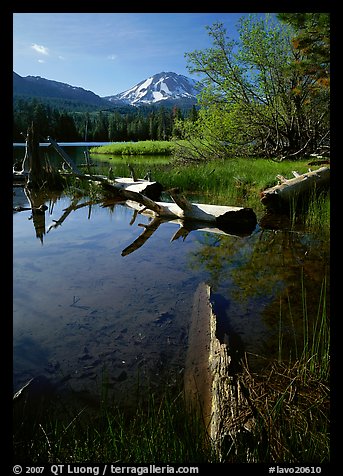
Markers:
(312, 41)
(101, 127)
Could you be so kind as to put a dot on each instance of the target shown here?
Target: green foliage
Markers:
(255, 100)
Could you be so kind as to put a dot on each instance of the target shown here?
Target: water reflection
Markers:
(92, 313)
(269, 280)
(104, 301)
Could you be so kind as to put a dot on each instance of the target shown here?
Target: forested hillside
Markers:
(120, 124)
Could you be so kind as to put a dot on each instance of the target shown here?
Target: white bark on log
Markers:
(220, 216)
(289, 190)
(150, 189)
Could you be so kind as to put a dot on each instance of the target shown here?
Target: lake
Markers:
(88, 315)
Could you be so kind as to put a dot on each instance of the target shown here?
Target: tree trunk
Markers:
(64, 155)
(35, 175)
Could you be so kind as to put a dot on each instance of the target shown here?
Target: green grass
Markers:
(148, 147)
(236, 182)
(318, 214)
(162, 430)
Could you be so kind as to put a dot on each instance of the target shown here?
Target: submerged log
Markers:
(197, 375)
(289, 191)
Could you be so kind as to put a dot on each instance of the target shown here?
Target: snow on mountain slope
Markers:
(159, 87)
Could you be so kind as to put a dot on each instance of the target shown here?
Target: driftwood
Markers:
(212, 385)
(148, 229)
(234, 218)
(141, 195)
(289, 191)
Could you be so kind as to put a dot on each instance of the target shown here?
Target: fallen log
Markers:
(197, 374)
(117, 185)
(212, 385)
(64, 155)
(290, 191)
(235, 219)
(151, 190)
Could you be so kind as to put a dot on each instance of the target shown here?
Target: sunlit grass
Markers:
(147, 147)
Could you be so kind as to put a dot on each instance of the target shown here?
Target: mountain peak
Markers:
(159, 87)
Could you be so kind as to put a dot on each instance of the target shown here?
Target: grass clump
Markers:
(295, 416)
(291, 416)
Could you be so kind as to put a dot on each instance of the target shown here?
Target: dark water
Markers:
(84, 313)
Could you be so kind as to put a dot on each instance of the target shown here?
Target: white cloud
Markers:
(112, 57)
(41, 61)
(40, 49)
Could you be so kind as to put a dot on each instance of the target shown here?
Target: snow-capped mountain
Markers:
(159, 87)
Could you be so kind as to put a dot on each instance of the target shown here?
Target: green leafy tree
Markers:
(255, 101)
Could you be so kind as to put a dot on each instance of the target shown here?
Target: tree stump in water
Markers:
(32, 155)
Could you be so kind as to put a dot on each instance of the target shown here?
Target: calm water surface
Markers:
(84, 312)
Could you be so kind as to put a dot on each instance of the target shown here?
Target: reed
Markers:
(290, 397)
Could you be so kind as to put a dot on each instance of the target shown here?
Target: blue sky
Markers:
(108, 53)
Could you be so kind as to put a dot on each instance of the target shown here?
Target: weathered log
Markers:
(115, 186)
(289, 191)
(234, 219)
(197, 375)
(210, 381)
(64, 155)
(150, 189)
